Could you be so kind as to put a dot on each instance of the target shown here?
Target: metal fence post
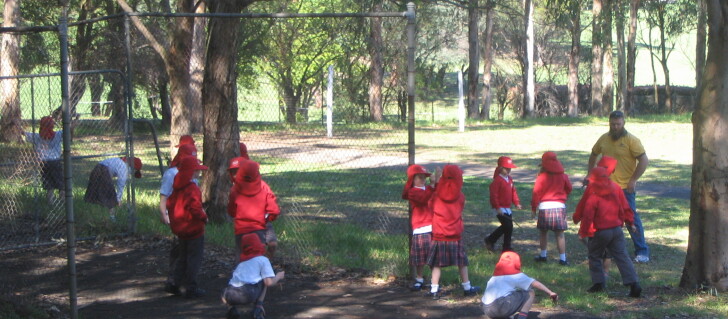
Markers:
(411, 82)
(68, 174)
(129, 97)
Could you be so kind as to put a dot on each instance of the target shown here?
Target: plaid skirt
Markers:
(420, 249)
(447, 253)
(101, 189)
(552, 219)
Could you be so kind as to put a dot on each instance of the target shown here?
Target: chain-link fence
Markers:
(336, 165)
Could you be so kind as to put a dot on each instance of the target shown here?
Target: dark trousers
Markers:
(173, 256)
(610, 240)
(189, 262)
(505, 230)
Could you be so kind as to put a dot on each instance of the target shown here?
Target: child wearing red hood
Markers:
(503, 195)
(186, 148)
(47, 145)
(603, 216)
(419, 195)
(101, 188)
(550, 192)
(251, 279)
(251, 202)
(447, 247)
(187, 219)
(510, 291)
(271, 239)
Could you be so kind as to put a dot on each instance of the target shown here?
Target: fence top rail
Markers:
(42, 75)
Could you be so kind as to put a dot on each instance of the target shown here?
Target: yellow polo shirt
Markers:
(626, 150)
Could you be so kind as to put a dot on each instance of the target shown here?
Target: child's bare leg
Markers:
(560, 241)
(435, 287)
(464, 273)
(419, 272)
(543, 239)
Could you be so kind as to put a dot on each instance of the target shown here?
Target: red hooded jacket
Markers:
(418, 198)
(606, 206)
(503, 193)
(251, 199)
(447, 205)
(186, 216)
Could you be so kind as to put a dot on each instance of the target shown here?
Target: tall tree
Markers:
(473, 58)
(567, 13)
(631, 54)
(607, 62)
(529, 85)
(707, 255)
(597, 59)
(376, 75)
(11, 129)
(621, 58)
(487, 54)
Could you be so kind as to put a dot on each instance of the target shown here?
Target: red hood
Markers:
(247, 180)
(450, 185)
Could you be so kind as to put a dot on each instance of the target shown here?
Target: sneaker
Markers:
(232, 313)
(258, 312)
(195, 293)
(490, 246)
(417, 286)
(563, 262)
(635, 290)
(172, 289)
(641, 259)
(540, 259)
(434, 295)
(595, 288)
(474, 290)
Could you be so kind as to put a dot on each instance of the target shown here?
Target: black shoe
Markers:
(172, 289)
(540, 259)
(417, 286)
(232, 313)
(474, 290)
(635, 290)
(563, 262)
(195, 293)
(434, 295)
(595, 288)
(490, 246)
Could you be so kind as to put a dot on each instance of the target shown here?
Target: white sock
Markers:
(562, 256)
(543, 253)
(466, 285)
(434, 288)
(420, 280)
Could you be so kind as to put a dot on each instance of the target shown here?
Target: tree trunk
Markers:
(11, 127)
(631, 55)
(597, 56)
(197, 68)
(655, 89)
(221, 134)
(473, 59)
(178, 69)
(573, 84)
(529, 86)
(621, 60)
(707, 255)
(700, 44)
(663, 60)
(165, 105)
(376, 71)
(607, 64)
(487, 52)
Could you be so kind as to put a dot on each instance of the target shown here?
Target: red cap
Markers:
(550, 163)
(608, 162)
(508, 264)
(190, 163)
(137, 166)
(235, 162)
(248, 178)
(251, 247)
(507, 162)
(185, 139)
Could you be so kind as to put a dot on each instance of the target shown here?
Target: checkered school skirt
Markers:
(101, 189)
(447, 253)
(419, 249)
(552, 219)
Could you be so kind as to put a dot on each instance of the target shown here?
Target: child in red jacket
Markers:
(502, 196)
(604, 214)
(187, 219)
(251, 203)
(447, 228)
(419, 196)
(550, 192)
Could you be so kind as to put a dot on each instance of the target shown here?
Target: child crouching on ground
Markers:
(509, 290)
(251, 278)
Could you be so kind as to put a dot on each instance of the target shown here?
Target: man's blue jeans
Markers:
(638, 237)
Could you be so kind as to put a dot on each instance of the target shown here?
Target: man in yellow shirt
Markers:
(632, 162)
